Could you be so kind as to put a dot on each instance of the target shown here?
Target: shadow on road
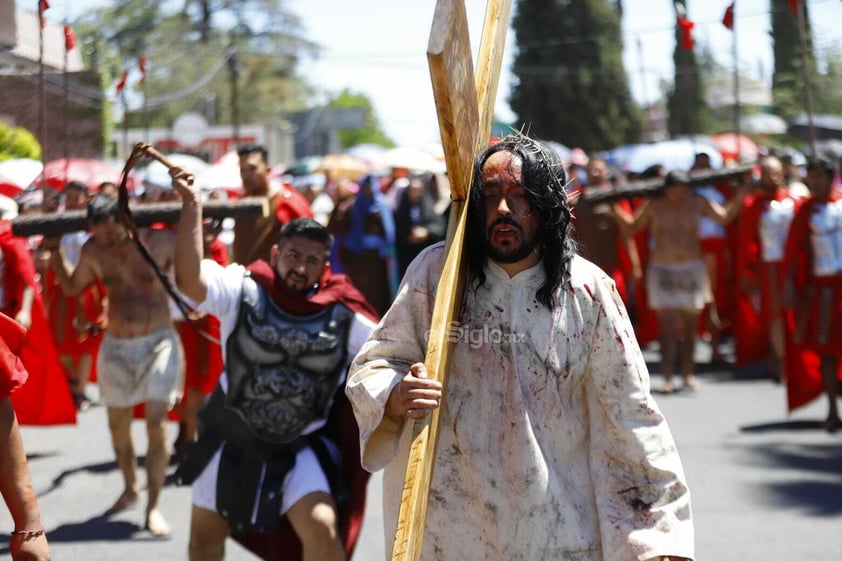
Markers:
(818, 485)
(92, 468)
(794, 425)
(99, 528)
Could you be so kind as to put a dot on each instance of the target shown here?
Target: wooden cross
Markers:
(54, 224)
(465, 107)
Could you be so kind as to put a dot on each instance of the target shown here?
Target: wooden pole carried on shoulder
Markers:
(465, 107)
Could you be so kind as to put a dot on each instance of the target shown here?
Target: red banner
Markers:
(122, 83)
(69, 38)
(728, 18)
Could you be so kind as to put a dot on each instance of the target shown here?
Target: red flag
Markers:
(728, 18)
(686, 26)
(141, 64)
(793, 6)
(122, 83)
(69, 38)
(43, 6)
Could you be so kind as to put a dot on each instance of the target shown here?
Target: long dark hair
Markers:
(544, 179)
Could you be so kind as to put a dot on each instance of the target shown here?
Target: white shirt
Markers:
(550, 443)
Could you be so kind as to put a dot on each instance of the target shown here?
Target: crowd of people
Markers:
(274, 424)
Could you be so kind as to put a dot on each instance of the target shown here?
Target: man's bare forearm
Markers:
(189, 248)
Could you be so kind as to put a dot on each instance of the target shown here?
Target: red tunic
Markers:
(814, 327)
(12, 373)
(63, 311)
(203, 357)
(755, 309)
(46, 397)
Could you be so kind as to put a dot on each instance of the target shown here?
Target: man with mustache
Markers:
(140, 357)
(550, 443)
(268, 456)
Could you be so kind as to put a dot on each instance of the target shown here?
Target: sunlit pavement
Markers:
(765, 485)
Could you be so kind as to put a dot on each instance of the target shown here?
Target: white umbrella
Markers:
(672, 154)
(22, 171)
(762, 123)
(158, 175)
(416, 159)
(221, 176)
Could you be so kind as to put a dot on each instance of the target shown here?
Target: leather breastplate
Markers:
(282, 370)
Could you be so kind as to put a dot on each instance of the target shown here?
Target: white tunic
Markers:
(551, 446)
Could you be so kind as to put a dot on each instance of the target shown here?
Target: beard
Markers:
(297, 283)
(511, 252)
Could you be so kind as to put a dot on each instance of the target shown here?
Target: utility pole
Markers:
(807, 78)
(737, 108)
(234, 74)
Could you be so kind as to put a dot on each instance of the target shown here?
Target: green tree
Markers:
(787, 80)
(688, 113)
(188, 50)
(571, 85)
(828, 82)
(17, 142)
(371, 133)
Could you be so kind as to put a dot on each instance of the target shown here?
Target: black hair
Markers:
(306, 228)
(676, 177)
(78, 185)
(101, 207)
(247, 149)
(824, 164)
(544, 180)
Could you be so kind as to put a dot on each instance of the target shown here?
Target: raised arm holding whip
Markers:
(549, 443)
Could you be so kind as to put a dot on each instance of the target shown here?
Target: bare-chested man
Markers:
(140, 359)
(677, 281)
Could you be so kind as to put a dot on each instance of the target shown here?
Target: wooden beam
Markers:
(653, 187)
(465, 109)
(145, 215)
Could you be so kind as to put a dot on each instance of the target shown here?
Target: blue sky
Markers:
(377, 47)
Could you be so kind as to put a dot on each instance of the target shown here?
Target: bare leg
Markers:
(776, 357)
(193, 402)
(157, 459)
(77, 377)
(712, 321)
(668, 320)
(687, 347)
(208, 532)
(830, 381)
(313, 518)
(119, 423)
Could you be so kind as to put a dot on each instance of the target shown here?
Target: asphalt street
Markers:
(765, 484)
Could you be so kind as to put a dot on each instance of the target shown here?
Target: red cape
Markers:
(804, 378)
(12, 373)
(283, 544)
(45, 399)
(751, 321)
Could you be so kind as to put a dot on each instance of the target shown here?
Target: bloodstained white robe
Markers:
(550, 445)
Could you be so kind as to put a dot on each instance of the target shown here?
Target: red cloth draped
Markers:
(332, 289)
(728, 17)
(45, 399)
(12, 373)
(752, 309)
(686, 27)
(804, 379)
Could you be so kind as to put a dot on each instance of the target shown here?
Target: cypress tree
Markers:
(571, 85)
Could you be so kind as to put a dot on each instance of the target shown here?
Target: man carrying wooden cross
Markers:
(550, 445)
